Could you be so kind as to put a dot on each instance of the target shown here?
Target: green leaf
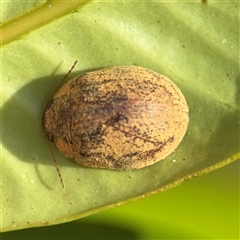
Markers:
(194, 43)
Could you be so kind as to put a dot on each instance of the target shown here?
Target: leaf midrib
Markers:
(36, 18)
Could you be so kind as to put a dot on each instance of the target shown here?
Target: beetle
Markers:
(121, 117)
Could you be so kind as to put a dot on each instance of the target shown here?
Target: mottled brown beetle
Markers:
(122, 118)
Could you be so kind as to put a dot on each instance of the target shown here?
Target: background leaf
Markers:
(180, 40)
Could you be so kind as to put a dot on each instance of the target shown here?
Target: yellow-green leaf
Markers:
(195, 44)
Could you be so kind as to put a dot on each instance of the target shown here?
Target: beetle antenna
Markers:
(49, 145)
(60, 84)
(55, 162)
